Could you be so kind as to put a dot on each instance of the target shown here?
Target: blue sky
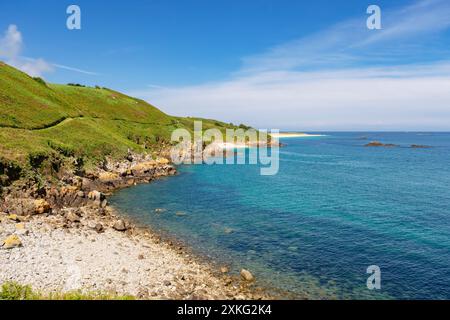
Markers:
(309, 65)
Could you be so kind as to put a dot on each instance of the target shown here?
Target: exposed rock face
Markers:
(380, 144)
(11, 242)
(108, 176)
(247, 275)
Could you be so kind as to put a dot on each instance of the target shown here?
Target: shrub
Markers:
(76, 85)
(14, 291)
(40, 80)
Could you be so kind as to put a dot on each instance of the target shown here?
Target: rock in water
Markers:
(379, 144)
(228, 230)
(12, 241)
(246, 275)
(119, 225)
(419, 146)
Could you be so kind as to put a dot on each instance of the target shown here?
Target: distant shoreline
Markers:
(295, 135)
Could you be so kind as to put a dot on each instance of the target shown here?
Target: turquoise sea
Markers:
(335, 208)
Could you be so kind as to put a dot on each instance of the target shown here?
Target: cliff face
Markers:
(47, 130)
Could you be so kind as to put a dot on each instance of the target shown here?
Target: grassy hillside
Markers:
(40, 121)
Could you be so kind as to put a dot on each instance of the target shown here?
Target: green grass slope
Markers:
(41, 121)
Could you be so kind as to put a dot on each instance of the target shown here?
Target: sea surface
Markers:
(335, 208)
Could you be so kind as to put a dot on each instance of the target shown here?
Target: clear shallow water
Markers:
(334, 208)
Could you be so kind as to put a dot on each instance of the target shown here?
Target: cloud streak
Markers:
(328, 80)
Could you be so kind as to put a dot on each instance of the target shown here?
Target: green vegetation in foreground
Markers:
(44, 125)
(15, 291)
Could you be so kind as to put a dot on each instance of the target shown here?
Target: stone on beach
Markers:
(72, 216)
(41, 206)
(247, 275)
(11, 242)
(98, 227)
(20, 226)
(224, 269)
(119, 225)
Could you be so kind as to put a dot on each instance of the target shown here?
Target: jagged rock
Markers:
(119, 225)
(11, 242)
(247, 275)
(41, 206)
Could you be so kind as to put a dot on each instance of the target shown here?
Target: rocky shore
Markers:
(63, 236)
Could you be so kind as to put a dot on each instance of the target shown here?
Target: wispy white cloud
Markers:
(350, 42)
(11, 47)
(327, 81)
(60, 66)
(155, 86)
